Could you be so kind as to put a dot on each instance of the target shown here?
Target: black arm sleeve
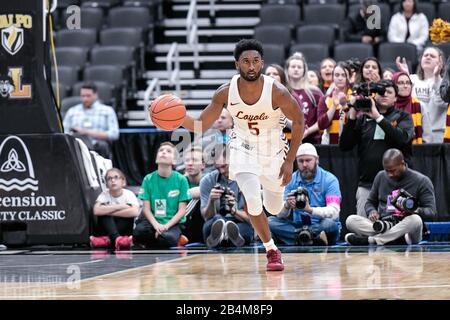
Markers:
(402, 133)
(350, 135)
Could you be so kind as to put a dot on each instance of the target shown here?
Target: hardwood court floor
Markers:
(344, 273)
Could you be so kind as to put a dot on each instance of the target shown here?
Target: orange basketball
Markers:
(167, 112)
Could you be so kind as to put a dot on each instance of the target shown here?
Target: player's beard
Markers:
(247, 78)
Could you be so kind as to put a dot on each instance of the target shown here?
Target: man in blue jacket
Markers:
(321, 196)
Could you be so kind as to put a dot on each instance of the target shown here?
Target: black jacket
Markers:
(398, 130)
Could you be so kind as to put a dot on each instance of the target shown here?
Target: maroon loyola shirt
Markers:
(310, 111)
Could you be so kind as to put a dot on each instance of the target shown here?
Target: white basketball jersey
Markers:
(258, 119)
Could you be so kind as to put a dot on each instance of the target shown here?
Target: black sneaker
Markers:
(233, 234)
(356, 240)
(217, 233)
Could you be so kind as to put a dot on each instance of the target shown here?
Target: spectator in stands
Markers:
(358, 29)
(277, 72)
(409, 26)
(426, 88)
(309, 95)
(370, 71)
(326, 74)
(374, 132)
(405, 224)
(223, 208)
(408, 103)
(313, 78)
(93, 122)
(321, 212)
(388, 73)
(115, 210)
(333, 107)
(193, 169)
(214, 138)
(444, 88)
(165, 193)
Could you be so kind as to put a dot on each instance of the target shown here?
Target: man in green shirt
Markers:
(165, 196)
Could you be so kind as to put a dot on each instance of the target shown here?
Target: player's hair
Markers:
(90, 86)
(245, 45)
(119, 172)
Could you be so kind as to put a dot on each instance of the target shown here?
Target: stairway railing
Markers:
(192, 32)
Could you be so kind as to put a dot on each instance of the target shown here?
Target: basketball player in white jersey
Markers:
(259, 154)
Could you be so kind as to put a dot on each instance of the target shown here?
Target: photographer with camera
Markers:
(380, 126)
(399, 199)
(312, 204)
(222, 205)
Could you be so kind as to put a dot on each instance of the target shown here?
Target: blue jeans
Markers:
(283, 230)
(245, 229)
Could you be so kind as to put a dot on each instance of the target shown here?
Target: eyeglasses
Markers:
(401, 83)
(113, 178)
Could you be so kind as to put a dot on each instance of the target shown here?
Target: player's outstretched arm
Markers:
(211, 113)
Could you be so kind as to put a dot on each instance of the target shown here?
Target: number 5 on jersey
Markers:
(252, 126)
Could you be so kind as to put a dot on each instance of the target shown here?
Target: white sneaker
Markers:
(3, 247)
(217, 234)
(408, 239)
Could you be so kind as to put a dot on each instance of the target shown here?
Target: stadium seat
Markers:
(274, 53)
(388, 52)
(273, 34)
(329, 14)
(68, 103)
(71, 56)
(118, 56)
(124, 37)
(76, 38)
(316, 34)
(313, 52)
(345, 51)
(443, 11)
(100, 3)
(288, 14)
(67, 75)
(90, 18)
(134, 17)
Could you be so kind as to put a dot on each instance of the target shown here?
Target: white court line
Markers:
(134, 294)
(50, 265)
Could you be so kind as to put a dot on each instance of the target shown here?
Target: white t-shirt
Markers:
(127, 197)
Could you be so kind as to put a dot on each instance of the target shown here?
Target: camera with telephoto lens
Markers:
(386, 223)
(303, 236)
(364, 90)
(224, 207)
(354, 64)
(301, 196)
(404, 202)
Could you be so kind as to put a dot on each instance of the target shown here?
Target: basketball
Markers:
(167, 112)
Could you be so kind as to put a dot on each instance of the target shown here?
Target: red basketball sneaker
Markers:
(274, 261)
(99, 242)
(182, 241)
(124, 242)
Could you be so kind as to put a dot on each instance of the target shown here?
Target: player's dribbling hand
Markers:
(286, 172)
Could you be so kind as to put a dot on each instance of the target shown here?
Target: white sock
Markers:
(270, 245)
(371, 240)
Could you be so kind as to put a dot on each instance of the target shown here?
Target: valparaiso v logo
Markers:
(12, 39)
